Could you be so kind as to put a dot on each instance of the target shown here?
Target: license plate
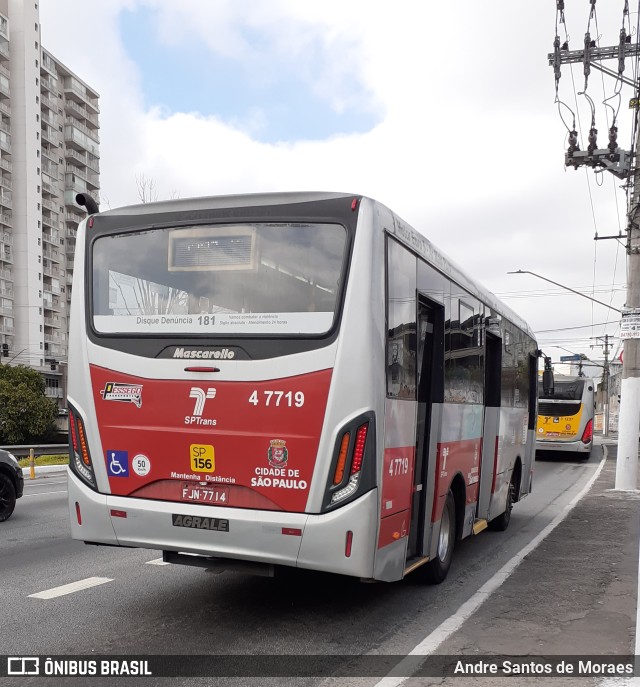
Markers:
(205, 494)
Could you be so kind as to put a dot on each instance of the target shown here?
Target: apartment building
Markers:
(49, 151)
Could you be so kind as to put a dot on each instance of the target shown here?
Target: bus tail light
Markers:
(358, 452)
(350, 461)
(342, 458)
(80, 458)
(587, 435)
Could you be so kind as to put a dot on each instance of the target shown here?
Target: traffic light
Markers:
(5, 350)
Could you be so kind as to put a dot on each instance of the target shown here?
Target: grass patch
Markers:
(62, 459)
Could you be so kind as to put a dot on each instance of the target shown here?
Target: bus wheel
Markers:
(501, 523)
(436, 570)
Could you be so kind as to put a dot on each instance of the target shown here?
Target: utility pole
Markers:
(619, 163)
(629, 423)
(605, 380)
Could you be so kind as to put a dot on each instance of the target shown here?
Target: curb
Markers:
(43, 470)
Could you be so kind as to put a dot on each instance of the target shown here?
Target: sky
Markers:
(444, 112)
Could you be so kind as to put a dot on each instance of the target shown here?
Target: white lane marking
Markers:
(71, 588)
(454, 622)
(44, 493)
(157, 561)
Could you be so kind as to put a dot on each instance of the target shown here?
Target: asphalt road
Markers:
(147, 608)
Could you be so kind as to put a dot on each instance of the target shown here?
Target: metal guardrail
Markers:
(39, 450)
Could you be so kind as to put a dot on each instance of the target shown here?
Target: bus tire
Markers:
(435, 571)
(501, 523)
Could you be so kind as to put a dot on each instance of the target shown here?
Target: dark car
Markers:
(11, 484)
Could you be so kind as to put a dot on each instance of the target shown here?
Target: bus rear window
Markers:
(563, 391)
(219, 279)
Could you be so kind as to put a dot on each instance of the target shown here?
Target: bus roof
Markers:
(229, 201)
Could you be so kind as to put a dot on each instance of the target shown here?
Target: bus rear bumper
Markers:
(569, 446)
(315, 542)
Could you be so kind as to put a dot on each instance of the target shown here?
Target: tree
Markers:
(26, 414)
(146, 189)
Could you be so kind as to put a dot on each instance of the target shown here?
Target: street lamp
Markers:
(562, 286)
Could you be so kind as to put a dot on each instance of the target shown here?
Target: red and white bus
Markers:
(292, 379)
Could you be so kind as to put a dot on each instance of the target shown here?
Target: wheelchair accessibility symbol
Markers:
(118, 463)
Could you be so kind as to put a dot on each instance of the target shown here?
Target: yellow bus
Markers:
(565, 416)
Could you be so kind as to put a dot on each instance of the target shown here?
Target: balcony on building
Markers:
(5, 142)
(89, 178)
(51, 154)
(51, 236)
(51, 254)
(77, 112)
(56, 322)
(48, 186)
(75, 183)
(4, 38)
(83, 159)
(50, 135)
(50, 119)
(48, 205)
(6, 255)
(49, 219)
(48, 65)
(48, 103)
(54, 290)
(75, 217)
(91, 134)
(5, 199)
(79, 140)
(50, 168)
(50, 84)
(76, 90)
(50, 269)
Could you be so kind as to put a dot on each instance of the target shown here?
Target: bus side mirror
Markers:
(547, 382)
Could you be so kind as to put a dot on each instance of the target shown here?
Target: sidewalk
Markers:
(574, 595)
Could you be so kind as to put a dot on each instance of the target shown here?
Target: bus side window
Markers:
(401, 319)
(464, 373)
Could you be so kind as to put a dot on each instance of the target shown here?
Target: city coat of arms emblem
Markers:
(278, 453)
